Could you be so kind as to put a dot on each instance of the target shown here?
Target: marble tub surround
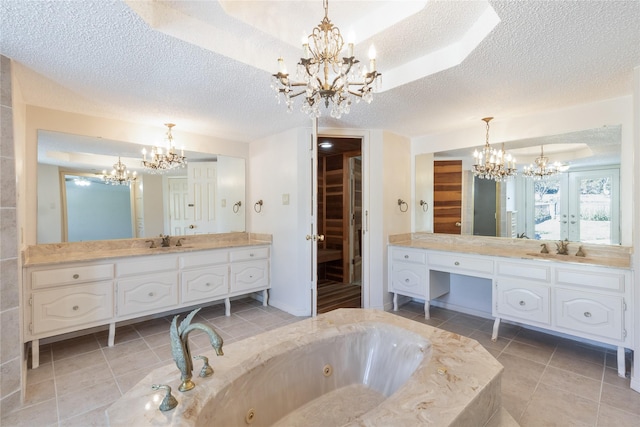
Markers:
(53, 253)
(602, 255)
(458, 385)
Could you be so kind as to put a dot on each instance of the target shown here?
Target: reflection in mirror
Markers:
(582, 203)
(157, 204)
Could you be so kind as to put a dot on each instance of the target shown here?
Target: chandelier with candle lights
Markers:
(543, 168)
(161, 161)
(491, 163)
(119, 175)
(326, 74)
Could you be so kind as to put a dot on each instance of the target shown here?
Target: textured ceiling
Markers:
(104, 58)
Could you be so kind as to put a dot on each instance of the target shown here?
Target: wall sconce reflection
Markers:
(258, 206)
(425, 205)
(403, 205)
(236, 207)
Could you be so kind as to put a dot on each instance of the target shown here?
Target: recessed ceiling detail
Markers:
(239, 30)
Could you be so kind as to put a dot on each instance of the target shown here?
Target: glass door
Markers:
(581, 206)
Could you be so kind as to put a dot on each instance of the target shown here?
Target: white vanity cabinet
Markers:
(583, 300)
(63, 299)
(68, 297)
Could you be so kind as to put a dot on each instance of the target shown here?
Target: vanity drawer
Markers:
(249, 254)
(590, 313)
(205, 283)
(523, 300)
(608, 279)
(147, 294)
(144, 265)
(408, 255)
(70, 275)
(73, 307)
(525, 271)
(409, 279)
(204, 259)
(460, 264)
(248, 276)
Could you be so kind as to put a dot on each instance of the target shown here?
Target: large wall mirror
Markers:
(76, 204)
(581, 203)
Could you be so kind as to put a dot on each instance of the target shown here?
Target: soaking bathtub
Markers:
(348, 367)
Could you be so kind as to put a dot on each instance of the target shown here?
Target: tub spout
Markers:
(180, 346)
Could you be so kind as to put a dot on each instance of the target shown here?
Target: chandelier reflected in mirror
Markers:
(490, 163)
(161, 161)
(326, 75)
(543, 168)
(119, 175)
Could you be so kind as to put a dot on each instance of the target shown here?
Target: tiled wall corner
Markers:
(10, 345)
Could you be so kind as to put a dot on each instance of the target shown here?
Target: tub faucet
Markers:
(166, 240)
(180, 346)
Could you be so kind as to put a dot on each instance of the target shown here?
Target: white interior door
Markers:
(179, 212)
(202, 178)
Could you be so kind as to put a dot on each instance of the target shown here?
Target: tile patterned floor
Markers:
(548, 381)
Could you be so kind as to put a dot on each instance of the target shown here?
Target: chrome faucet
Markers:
(166, 240)
(180, 346)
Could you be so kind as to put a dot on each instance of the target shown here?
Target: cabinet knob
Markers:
(75, 308)
(207, 284)
(150, 294)
(251, 255)
(406, 280)
(406, 257)
(76, 276)
(456, 263)
(522, 303)
(587, 314)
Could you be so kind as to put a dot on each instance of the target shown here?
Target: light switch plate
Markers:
(285, 199)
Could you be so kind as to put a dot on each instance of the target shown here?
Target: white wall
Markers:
(152, 204)
(231, 187)
(279, 166)
(635, 378)
(617, 111)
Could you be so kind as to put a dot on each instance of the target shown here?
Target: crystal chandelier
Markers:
(163, 161)
(543, 168)
(119, 175)
(325, 74)
(491, 163)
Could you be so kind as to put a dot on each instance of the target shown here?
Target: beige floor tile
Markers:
(94, 359)
(536, 338)
(505, 330)
(93, 418)
(611, 377)
(613, 417)
(535, 353)
(131, 362)
(164, 353)
(622, 398)
(431, 321)
(457, 328)
(87, 399)
(82, 378)
(74, 346)
(473, 322)
(157, 340)
(123, 334)
(127, 381)
(408, 314)
(42, 373)
(125, 349)
(550, 406)
(151, 327)
(39, 392)
(577, 351)
(578, 366)
(572, 383)
(42, 414)
(485, 339)
(226, 321)
(441, 313)
(241, 329)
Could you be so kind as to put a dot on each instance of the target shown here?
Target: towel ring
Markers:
(401, 204)
(425, 205)
(236, 207)
(258, 206)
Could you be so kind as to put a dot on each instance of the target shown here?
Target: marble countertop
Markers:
(56, 253)
(598, 255)
(460, 374)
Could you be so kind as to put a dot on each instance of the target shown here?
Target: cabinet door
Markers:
(205, 283)
(590, 313)
(409, 279)
(523, 300)
(249, 276)
(72, 307)
(147, 293)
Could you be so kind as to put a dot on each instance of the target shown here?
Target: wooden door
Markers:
(355, 214)
(447, 196)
